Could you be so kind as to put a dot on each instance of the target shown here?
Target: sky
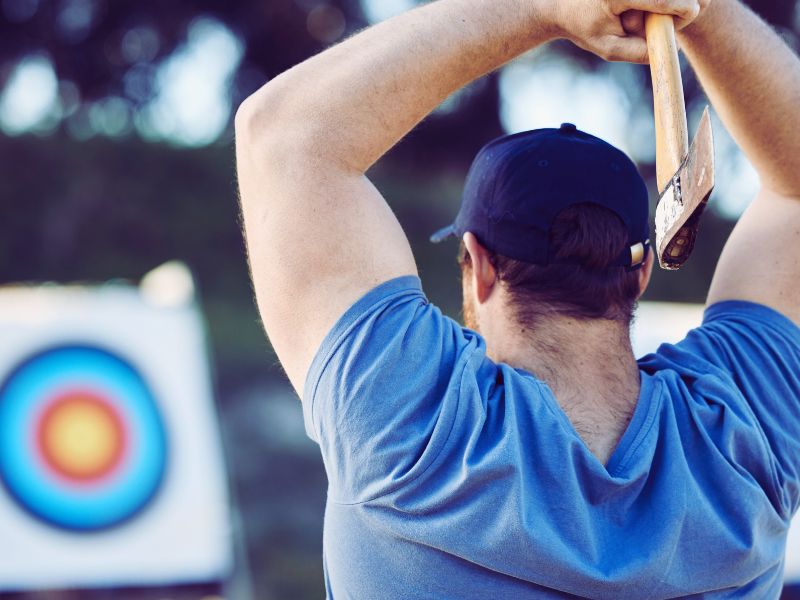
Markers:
(192, 105)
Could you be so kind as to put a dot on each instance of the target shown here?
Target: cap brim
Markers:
(443, 234)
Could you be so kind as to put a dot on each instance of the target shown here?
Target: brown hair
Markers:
(593, 237)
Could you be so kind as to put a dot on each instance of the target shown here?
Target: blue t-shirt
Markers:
(454, 477)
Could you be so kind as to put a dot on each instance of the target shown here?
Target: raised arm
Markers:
(319, 235)
(753, 81)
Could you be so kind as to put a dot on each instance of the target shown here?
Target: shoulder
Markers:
(733, 334)
(743, 314)
(390, 383)
(389, 328)
(739, 372)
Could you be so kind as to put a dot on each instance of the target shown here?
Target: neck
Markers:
(588, 365)
(565, 352)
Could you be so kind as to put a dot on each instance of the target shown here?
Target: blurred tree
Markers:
(103, 48)
(95, 43)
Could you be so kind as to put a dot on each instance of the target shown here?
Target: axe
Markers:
(685, 175)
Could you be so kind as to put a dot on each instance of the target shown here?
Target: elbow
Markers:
(275, 117)
(277, 105)
(243, 120)
(284, 123)
(259, 114)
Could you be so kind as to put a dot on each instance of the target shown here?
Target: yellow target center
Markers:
(81, 437)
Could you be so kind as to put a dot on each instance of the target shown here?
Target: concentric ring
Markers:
(82, 443)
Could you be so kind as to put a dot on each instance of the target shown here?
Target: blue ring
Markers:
(100, 505)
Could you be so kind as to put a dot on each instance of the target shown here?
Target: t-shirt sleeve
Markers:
(758, 350)
(381, 394)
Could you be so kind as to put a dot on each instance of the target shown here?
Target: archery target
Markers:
(111, 466)
(82, 444)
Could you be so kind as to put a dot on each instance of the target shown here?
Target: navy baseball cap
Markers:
(519, 183)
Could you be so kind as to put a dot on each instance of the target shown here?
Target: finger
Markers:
(633, 22)
(681, 22)
(683, 9)
(624, 49)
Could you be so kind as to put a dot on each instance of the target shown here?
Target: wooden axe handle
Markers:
(672, 136)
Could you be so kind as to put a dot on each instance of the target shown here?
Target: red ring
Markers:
(56, 466)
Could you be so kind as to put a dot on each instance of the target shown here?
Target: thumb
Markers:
(633, 22)
(625, 49)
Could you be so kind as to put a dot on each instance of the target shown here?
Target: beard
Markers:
(468, 310)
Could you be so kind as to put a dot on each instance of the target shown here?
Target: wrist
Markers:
(544, 19)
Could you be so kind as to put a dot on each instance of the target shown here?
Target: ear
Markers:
(484, 275)
(646, 271)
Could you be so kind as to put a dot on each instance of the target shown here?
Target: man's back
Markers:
(466, 479)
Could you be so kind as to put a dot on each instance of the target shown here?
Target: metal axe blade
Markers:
(681, 204)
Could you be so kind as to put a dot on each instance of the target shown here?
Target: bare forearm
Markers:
(353, 102)
(753, 81)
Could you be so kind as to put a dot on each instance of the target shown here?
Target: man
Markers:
(530, 456)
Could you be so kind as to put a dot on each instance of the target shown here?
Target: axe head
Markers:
(681, 204)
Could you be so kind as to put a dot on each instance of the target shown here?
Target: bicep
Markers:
(761, 260)
(318, 238)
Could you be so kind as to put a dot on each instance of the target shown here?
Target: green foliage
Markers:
(104, 210)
